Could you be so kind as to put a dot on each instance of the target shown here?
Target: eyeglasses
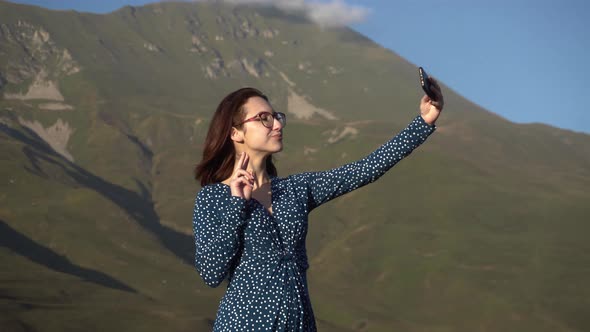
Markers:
(268, 119)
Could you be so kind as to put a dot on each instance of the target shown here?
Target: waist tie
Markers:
(291, 264)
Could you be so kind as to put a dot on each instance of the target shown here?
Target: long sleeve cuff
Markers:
(420, 126)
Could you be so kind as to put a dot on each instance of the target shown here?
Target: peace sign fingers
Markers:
(242, 181)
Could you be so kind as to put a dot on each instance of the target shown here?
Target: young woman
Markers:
(250, 225)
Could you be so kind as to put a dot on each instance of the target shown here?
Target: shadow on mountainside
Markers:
(22, 245)
(13, 324)
(139, 207)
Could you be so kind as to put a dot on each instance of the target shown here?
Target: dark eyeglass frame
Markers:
(279, 116)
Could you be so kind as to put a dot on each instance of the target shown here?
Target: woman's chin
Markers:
(278, 148)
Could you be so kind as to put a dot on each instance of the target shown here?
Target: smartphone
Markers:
(425, 83)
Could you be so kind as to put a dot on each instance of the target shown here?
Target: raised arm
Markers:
(327, 185)
(216, 225)
(321, 187)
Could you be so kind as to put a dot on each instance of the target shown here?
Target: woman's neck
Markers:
(257, 165)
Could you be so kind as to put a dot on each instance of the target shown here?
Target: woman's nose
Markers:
(277, 125)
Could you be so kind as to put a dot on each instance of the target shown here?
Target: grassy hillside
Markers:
(102, 118)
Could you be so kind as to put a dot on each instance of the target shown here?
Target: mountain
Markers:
(102, 118)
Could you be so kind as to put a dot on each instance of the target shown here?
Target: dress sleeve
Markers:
(217, 219)
(324, 186)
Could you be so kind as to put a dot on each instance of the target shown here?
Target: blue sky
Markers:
(526, 60)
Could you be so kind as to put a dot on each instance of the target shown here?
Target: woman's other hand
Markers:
(242, 181)
(430, 109)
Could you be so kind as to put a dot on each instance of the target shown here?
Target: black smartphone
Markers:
(425, 83)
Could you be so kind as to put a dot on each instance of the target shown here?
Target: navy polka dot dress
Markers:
(264, 255)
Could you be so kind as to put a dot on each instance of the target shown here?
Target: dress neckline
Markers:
(254, 200)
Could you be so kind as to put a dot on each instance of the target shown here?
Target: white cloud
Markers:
(332, 13)
(336, 13)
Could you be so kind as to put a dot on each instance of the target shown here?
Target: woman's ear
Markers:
(237, 135)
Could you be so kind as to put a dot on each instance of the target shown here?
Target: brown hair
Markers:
(218, 152)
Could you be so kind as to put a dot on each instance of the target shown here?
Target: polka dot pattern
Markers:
(263, 255)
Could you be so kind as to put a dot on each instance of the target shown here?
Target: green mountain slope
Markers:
(102, 118)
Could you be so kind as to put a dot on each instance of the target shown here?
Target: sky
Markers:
(525, 60)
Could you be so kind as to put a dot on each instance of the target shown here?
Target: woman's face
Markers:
(256, 137)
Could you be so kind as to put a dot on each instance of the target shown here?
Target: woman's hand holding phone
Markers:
(430, 106)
